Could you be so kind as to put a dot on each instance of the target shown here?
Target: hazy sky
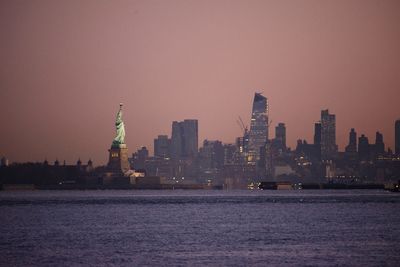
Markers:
(66, 65)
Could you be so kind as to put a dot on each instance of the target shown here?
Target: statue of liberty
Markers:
(120, 129)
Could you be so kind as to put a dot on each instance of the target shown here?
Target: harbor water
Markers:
(198, 228)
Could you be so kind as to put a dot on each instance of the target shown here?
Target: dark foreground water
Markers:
(197, 228)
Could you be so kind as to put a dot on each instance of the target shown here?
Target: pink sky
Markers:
(66, 65)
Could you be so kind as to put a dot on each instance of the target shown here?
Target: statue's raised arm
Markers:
(120, 129)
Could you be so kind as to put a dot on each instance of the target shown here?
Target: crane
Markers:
(241, 124)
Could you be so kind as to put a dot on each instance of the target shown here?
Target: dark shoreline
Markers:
(263, 186)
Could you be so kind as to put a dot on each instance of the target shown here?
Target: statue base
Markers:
(118, 159)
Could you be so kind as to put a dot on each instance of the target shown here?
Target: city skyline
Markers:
(200, 132)
(280, 124)
(66, 65)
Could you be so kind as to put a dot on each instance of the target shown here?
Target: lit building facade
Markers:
(258, 134)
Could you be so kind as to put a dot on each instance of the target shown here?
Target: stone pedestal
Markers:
(118, 159)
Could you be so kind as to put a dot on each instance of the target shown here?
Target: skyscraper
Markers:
(280, 134)
(191, 137)
(363, 148)
(352, 146)
(317, 133)
(328, 135)
(379, 145)
(162, 147)
(177, 140)
(397, 137)
(258, 134)
(317, 141)
(184, 140)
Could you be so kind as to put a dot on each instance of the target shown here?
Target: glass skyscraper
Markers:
(328, 135)
(258, 134)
